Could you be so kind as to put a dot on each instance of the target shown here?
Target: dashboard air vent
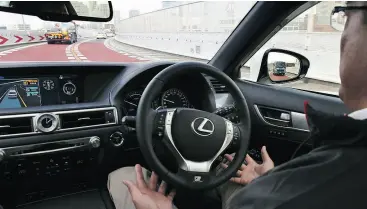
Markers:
(16, 125)
(218, 87)
(84, 119)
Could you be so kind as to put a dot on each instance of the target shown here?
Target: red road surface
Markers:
(45, 52)
(279, 78)
(91, 51)
(96, 51)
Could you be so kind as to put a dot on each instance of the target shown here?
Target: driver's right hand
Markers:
(252, 170)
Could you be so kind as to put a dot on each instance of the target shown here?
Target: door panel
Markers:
(266, 129)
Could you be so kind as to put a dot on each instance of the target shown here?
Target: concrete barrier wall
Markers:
(198, 45)
(322, 49)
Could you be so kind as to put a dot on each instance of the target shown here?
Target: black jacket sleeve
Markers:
(329, 177)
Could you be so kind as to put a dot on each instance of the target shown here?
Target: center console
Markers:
(33, 169)
(59, 162)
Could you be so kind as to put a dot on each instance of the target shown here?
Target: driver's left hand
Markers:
(252, 170)
(145, 196)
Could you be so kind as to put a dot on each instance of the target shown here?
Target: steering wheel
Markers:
(196, 138)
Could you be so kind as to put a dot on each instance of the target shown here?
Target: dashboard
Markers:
(65, 122)
(25, 92)
(175, 93)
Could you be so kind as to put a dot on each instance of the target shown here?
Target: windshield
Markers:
(140, 31)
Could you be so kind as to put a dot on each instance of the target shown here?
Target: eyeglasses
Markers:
(338, 16)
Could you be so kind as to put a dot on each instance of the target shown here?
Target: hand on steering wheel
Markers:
(145, 196)
(196, 138)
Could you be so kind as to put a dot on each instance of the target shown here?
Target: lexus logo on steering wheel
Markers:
(202, 126)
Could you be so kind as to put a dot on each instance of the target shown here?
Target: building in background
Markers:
(116, 17)
(316, 19)
(133, 13)
(2, 27)
(104, 10)
(321, 19)
(92, 5)
(110, 27)
(81, 8)
(94, 9)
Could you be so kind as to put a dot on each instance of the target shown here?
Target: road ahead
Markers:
(82, 51)
(7, 101)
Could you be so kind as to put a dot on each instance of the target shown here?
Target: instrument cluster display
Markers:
(170, 98)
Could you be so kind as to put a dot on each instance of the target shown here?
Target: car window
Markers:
(311, 35)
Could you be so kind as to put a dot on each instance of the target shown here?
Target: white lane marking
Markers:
(74, 55)
(4, 94)
(141, 58)
(9, 51)
(149, 55)
(142, 55)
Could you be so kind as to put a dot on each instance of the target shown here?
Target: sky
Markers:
(124, 6)
(143, 5)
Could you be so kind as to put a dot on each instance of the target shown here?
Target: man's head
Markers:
(353, 58)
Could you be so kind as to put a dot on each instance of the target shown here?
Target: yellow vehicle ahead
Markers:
(64, 33)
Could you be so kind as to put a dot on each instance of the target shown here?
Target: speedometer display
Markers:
(174, 98)
(131, 102)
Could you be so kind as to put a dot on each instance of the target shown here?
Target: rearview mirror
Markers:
(61, 11)
(285, 66)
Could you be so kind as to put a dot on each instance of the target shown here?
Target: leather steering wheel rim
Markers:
(146, 119)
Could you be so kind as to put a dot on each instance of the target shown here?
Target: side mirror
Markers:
(284, 66)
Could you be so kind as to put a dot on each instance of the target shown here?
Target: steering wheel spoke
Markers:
(184, 163)
(196, 138)
(195, 179)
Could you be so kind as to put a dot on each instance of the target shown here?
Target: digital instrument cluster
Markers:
(168, 99)
(39, 91)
